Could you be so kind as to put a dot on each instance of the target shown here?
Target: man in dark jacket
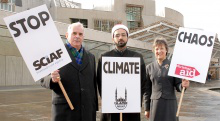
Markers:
(78, 79)
(120, 38)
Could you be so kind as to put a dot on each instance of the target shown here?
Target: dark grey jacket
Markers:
(80, 85)
(159, 84)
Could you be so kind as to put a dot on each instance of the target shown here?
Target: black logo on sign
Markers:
(121, 103)
(44, 61)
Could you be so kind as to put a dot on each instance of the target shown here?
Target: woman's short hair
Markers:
(160, 41)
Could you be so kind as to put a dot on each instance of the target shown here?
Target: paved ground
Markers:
(33, 103)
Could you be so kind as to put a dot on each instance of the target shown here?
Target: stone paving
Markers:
(33, 103)
(200, 103)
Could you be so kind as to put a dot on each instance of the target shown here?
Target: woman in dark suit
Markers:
(160, 98)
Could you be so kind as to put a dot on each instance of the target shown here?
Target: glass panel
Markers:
(133, 15)
(133, 24)
(5, 6)
(129, 24)
(83, 21)
(100, 24)
(9, 7)
(104, 25)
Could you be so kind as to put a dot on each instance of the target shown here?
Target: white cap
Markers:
(119, 26)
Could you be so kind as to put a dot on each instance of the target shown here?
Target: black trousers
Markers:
(116, 117)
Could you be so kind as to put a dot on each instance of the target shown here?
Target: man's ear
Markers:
(66, 35)
(113, 40)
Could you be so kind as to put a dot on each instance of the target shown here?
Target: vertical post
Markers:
(65, 95)
(180, 102)
(121, 118)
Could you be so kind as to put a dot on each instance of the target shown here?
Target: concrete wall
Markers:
(111, 12)
(28, 4)
(13, 70)
(64, 15)
(2, 70)
(218, 75)
(118, 13)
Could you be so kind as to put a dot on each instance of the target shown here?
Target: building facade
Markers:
(138, 15)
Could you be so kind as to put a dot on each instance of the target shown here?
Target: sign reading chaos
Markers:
(38, 41)
(120, 84)
(192, 54)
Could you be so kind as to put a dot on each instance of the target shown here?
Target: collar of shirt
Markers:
(121, 52)
(164, 63)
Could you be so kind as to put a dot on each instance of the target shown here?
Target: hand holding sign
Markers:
(147, 114)
(55, 76)
(185, 83)
(33, 32)
(193, 48)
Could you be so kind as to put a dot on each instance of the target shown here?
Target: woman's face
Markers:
(160, 52)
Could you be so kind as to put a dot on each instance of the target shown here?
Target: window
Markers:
(4, 1)
(7, 5)
(133, 14)
(104, 25)
(83, 21)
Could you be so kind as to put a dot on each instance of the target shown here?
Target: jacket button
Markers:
(82, 89)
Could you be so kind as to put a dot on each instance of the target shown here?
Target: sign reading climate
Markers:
(192, 54)
(38, 41)
(122, 67)
(120, 84)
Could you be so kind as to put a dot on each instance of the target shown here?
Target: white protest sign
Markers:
(192, 54)
(38, 41)
(120, 84)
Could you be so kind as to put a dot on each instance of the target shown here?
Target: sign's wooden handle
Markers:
(121, 117)
(65, 95)
(180, 102)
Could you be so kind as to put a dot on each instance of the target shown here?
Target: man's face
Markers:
(75, 37)
(120, 38)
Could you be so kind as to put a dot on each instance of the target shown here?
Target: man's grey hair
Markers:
(70, 27)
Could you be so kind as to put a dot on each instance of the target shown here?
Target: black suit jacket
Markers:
(80, 84)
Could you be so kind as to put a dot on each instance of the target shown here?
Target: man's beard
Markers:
(121, 43)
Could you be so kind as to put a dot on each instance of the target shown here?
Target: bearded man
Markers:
(120, 35)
